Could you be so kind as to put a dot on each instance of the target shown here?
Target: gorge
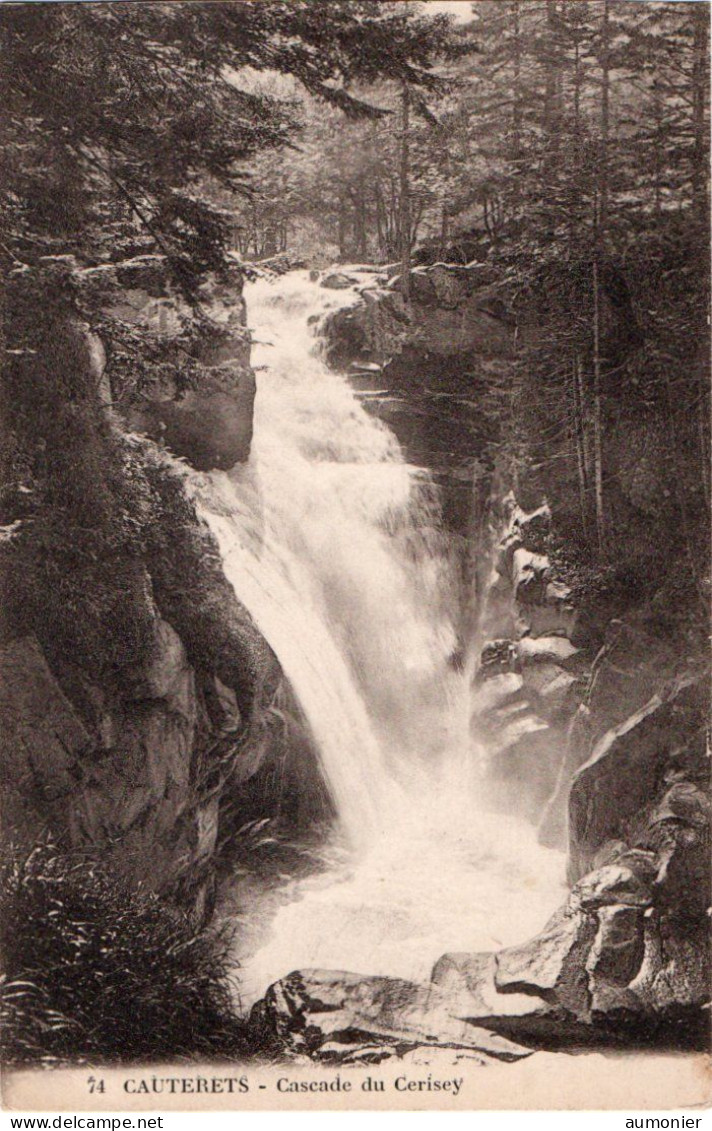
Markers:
(374, 714)
(335, 546)
(354, 641)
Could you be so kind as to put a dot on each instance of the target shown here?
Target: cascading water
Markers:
(332, 542)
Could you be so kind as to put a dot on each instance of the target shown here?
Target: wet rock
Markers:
(611, 885)
(675, 971)
(469, 981)
(311, 1009)
(639, 860)
(471, 973)
(337, 281)
(530, 576)
(545, 649)
(683, 801)
(497, 657)
(679, 831)
(551, 966)
(551, 619)
(451, 314)
(617, 951)
(552, 687)
(497, 691)
(619, 971)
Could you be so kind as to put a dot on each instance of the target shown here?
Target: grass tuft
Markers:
(94, 970)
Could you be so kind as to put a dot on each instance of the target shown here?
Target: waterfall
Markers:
(332, 542)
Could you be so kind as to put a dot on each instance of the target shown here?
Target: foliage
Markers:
(570, 152)
(96, 971)
(114, 111)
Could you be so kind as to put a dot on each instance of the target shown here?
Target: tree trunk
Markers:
(699, 89)
(657, 150)
(445, 202)
(380, 231)
(599, 246)
(405, 224)
(360, 222)
(579, 430)
(341, 236)
(703, 428)
(573, 213)
(601, 532)
(550, 108)
(605, 121)
(517, 92)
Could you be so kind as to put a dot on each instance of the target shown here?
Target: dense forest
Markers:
(562, 145)
(566, 149)
(515, 195)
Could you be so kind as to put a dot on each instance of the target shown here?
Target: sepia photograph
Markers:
(355, 555)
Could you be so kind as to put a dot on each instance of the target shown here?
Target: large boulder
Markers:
(198, 396)
(631, 670)
(627, 770)
(338, 281)
(551, 966)
(210, 427)
(316, 1012)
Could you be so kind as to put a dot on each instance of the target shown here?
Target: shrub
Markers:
(95, 970)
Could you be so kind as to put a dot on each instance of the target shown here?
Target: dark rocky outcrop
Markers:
(133, 754)
(563, 715)
(655, 759)
(525, 712)
(138, 693)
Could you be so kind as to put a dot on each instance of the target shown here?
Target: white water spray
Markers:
(332, 542)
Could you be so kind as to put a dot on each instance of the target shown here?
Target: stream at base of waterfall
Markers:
(332, 541)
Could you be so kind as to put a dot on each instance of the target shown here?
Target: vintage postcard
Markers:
(354, 654)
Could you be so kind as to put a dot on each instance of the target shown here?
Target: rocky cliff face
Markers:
(605, 747)
(137, 694)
